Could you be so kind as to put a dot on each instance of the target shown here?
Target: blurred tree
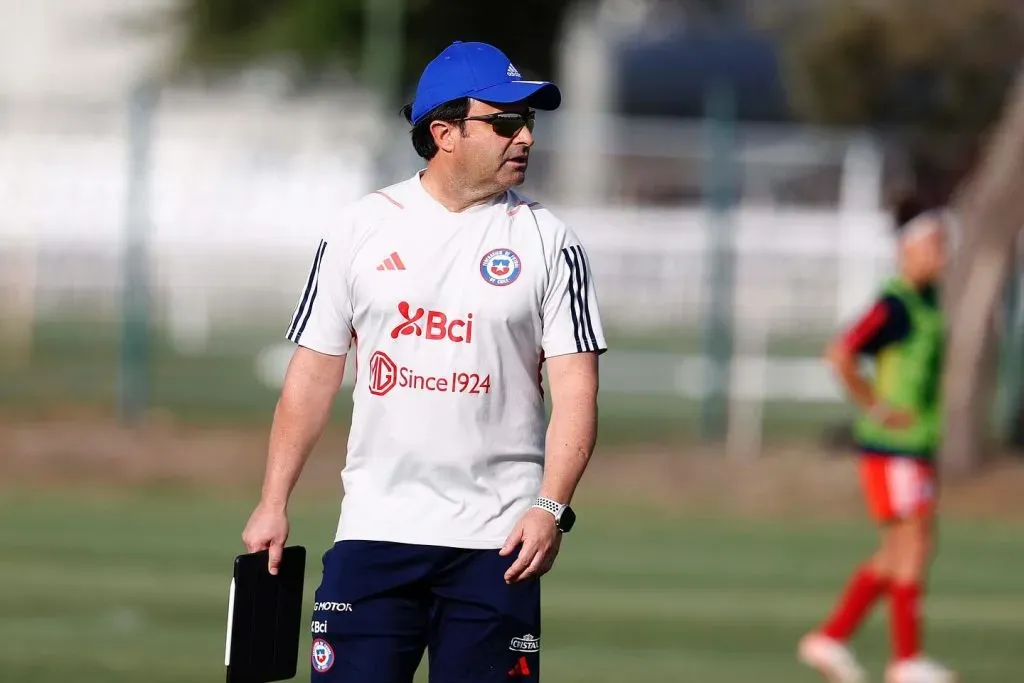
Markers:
(318, 37)
(934, 72)
(990, 206)
(936, 76)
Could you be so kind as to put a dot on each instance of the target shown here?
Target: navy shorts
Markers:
(380, 605)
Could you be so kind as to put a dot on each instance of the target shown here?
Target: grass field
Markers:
(130, 583)
(128, 587)
(74, 367)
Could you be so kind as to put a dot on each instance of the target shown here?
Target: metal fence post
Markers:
(133, 365)
(382, 60)
(1010, 388)
(717, 322)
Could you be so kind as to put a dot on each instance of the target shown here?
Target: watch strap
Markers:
(551, 506)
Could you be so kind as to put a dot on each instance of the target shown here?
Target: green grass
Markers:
(688, 341)
(132, 587)
(75, 365)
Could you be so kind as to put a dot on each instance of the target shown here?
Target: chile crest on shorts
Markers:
(500, 267)
(323, 655)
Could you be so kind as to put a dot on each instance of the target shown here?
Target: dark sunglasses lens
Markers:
(508, 126)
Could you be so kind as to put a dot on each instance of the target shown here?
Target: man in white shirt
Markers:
(453, 291)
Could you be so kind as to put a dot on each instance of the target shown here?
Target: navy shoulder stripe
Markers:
(305, 307)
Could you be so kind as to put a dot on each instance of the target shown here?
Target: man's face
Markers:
(495, 149)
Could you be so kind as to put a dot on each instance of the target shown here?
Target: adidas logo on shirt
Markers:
(393, 262)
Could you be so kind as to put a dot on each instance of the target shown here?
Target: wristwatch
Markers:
(565, 518)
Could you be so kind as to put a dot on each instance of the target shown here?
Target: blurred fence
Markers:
(234, 192)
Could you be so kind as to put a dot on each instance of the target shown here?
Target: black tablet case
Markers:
(264, 617)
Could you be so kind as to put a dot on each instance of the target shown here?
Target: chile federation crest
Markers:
(322, 655)
(500, 267)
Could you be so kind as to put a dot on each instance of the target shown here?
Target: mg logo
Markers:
(383, 373)
(433, 325)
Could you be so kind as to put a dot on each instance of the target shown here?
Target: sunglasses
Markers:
(507, 123)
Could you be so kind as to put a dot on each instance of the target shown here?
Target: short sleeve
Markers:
(886, 323)
(571, 314)
(322, 320)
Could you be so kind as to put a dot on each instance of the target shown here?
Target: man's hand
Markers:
(267, 529)
(540, 540)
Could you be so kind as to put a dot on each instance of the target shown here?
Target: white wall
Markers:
(80, 48)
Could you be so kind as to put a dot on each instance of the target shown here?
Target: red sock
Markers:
(863, 589)
(906, 621)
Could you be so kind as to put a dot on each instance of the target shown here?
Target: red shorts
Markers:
(897, 487)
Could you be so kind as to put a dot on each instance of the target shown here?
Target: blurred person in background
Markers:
(456, 486)
(898, 432)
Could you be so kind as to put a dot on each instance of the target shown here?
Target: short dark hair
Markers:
(422, 140)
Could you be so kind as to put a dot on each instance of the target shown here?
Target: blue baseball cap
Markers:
(480, 71)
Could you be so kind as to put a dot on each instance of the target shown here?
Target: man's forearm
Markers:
(572, 433)
(310, 384)
(296, 429)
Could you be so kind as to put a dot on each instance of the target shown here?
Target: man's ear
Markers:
(444, 135)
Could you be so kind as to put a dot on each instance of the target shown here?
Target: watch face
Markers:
(568, 519)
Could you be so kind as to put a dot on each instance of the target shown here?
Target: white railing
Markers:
(236, 201)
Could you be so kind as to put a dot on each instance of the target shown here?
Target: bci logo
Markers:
(434, 325)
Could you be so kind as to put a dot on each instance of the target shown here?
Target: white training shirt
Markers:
(453, 313)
